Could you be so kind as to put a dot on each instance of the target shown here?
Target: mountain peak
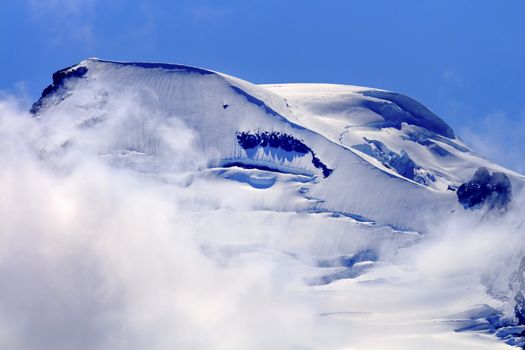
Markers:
(350, 141)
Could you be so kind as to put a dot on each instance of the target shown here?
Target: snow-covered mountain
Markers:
(344, 183)
(361, 152)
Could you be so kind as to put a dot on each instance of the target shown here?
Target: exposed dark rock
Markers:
(59, 78)
(282, 141)
(493, 190)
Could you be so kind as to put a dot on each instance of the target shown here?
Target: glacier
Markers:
(353, 214)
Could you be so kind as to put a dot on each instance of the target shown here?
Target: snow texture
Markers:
(401, 163)
(177, 207)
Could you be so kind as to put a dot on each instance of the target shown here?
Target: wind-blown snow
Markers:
(133, 216)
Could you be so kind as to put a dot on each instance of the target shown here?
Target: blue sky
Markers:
(464, 59)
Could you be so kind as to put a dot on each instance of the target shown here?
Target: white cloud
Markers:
(499, 137)
(97, 257)
(94, 256)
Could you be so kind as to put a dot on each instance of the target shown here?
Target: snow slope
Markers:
(333, 121)
(343, 179)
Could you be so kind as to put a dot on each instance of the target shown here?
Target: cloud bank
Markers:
(102, 253)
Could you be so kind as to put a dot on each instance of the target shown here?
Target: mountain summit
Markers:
(361, 152)
(345, 182)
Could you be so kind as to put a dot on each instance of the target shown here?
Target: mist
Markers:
(100, 250)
